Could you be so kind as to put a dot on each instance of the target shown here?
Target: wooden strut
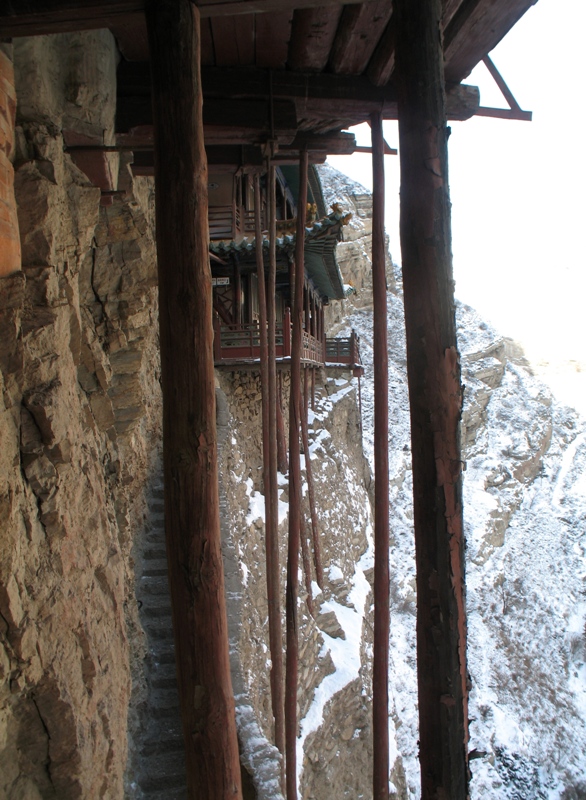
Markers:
(514, 111)
(295, 492)
(271, 524)
(273, 568)
(319, 571)
(435, 402)
(380, 679)
(192, 516)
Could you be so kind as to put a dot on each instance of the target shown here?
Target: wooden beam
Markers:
(192, 515)
(353, 97)
(435, 397)
(358, 33)
(233, 40)
(245, 116)
(34, 17)
(312, 35)
(273, 31)
(380, 672)
(382, 63)
(475, 29)
(214, 9)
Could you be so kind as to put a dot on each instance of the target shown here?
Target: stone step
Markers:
(169, 745)
(155, 569)
(155, 552)
(156, 612)
(154, 586)
(160, 633)
(163, 699)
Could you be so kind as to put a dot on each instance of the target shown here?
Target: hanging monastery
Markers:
(168, 271)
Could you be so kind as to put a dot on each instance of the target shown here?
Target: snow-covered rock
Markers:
(525, 518)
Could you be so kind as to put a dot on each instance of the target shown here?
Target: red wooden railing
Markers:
(344, 351)
(242, 342)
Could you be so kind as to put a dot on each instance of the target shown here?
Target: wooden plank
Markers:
(435, 397)
(476, 28)
(382, 62)
(312, 36)
(358, 33)
(132, 38)
(207, 44)
(192, 515)
(273, 32)
(234, 40)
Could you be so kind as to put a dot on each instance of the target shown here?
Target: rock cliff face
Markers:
(79, 424)
(524, 513)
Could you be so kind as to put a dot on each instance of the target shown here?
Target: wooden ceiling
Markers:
(326, 64)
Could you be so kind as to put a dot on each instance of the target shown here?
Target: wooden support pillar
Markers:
(380, 679)
(295, 492)
(435, 399)
(273, 538)
(270, 489)
(192, 518)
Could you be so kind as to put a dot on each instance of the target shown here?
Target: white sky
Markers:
(518, 192)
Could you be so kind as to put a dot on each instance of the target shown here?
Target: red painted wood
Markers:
(192, 517)
(273, 542)
(435, 402)
(380, 677)
(292, 659)
(312, 36)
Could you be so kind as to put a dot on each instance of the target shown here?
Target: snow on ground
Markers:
(525, 517)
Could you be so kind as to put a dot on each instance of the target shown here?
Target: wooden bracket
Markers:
(514, 111)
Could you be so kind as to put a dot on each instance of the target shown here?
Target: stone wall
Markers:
(79, 423)
(9, 237)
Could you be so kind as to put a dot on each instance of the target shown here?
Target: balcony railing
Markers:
(344, 351)
(241, 344)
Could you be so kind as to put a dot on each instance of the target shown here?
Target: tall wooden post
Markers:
(272, 544)
(295, 491)
(380, 676)
(271, 523)
(435, 399)
(192, 519)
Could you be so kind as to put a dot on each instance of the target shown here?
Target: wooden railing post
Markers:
(435, 398)
(192, 514)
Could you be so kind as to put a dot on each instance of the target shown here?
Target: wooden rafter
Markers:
(312, 36)
(474, 30)
(357, 36)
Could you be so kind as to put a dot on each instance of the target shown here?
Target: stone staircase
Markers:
(160, 753)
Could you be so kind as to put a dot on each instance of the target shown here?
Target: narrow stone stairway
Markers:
(161, 753)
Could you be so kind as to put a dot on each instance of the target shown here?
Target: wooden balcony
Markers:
(345, 352)
(240, 344)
